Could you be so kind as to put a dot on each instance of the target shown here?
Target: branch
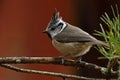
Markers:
(43, 72)
(56, 61)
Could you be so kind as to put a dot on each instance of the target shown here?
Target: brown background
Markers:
(22, 23)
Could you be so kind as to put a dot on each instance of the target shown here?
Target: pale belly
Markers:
(72, 49)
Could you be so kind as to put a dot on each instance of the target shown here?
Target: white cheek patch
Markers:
(64, 24)
(53, 35)
(57, 31)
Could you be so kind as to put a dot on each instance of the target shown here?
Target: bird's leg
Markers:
(63, 58)
(78, 59)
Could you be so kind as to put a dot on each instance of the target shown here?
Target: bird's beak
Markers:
(45, 31)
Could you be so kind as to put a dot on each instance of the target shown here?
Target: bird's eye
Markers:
(52, 28)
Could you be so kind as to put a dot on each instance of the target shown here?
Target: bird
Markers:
(68, 39)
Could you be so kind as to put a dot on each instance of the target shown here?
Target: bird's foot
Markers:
(62, 59)
(78, 60)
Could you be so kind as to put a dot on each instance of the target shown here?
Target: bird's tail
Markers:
(103, 43)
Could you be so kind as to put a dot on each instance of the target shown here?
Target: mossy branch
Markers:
(51, 60)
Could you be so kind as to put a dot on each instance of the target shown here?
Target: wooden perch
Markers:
(4, 61)
(43, 72)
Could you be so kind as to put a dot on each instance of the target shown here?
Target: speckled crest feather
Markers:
(55, 15)
(55, 18)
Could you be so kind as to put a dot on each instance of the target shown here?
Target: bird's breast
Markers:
(74, 49)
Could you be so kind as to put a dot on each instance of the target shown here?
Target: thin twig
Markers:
(43, 72)
(56, 61)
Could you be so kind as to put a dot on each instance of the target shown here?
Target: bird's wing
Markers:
(74, 35)
(69, 38)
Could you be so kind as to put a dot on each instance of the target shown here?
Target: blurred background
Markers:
(22, 23)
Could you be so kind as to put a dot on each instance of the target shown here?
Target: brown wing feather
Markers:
(74, 34)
